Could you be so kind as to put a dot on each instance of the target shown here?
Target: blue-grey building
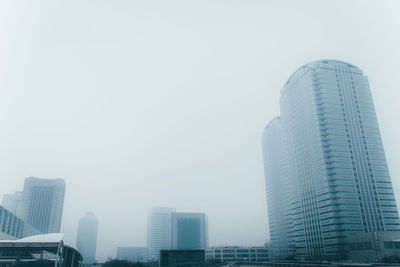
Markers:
(189, 230)
(328, 186)
(13, 227)
(12, 202)
(86, 240)
(277, 188)
(42, 203)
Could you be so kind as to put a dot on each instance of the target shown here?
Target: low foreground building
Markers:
(192, 258)
(40, 250)
(230, 254)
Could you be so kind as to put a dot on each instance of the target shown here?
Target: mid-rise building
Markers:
(158, 231)
(42, 203)
(330, 195)
(132, 254)
(189, 230)
(231, 254)
(13, 227)
(168, 229)
(86, 239)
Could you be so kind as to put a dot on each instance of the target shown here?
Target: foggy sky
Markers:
(139, 104)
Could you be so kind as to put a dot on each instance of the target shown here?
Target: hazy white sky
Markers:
(162, 103)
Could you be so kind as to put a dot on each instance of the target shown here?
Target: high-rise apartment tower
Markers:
(328, 186)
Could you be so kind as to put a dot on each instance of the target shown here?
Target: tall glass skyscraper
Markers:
(328, 185)
(277, 186)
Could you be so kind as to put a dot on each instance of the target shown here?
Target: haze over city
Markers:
(144, 104)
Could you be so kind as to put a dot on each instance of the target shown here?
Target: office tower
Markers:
(12, 202)
(42, 203)
(132, 254)
(158, 231)
(189, 230)
(277, 186)
(86, 239)
(340, 196)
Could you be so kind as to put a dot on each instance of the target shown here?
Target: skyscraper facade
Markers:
(42, 203)
(277, 186)
(86, 239)
(325, 159)
(158, 231)
(189, 230)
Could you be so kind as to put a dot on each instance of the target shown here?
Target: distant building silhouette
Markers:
(158, 231)
(328, 186)
(86, 239)
(189, 230)
(12, 202)
(42, 203)
(132, 254)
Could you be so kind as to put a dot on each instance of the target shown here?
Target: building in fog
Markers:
(277, 188)
(231, 254)
(328, 186)
(42, 203)
(168, 229)
(132, 254)
(158, 231)
(189, 230)
(13, 227)
(12, 202)
(86, 239)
